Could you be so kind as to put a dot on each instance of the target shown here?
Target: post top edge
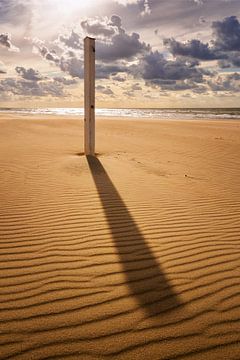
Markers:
(89, 37)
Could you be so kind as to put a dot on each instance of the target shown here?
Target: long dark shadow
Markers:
(144, 276)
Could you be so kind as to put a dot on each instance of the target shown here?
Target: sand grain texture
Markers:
(134, 254)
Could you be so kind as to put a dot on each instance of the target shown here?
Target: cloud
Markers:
(65, 81)
(228, 83)
(5, 41)
(28, 74)
(193, 48)
(73, 41)
(155, 66)
(136, 86)
(32, 83)
(111, 52)
(104, 90)
(232, 59)
(227, 34)
(146, 8)
(122, 46)
(104, 71)
(119, 78)
(225, 44)
(23, 87)
(117, 44)
(68, 62)
(98, 26)
(72, 65)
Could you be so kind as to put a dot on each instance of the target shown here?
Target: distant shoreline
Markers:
(160, 114)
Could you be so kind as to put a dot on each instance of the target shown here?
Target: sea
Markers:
(161, 114)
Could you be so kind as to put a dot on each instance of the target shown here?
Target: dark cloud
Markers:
(193, 48)
(232, 59)
(104, 90)
(73, 41)
(119, 52)
(225, 44)
(68, 62)
(154, 66)
(176, 85)
(115, 44)
(5, 41)
(104, 71)
(122, 46)
(227, 83)
(72, 66)
(227, 34)
(175, 15)
(28, 74)
(111, 53)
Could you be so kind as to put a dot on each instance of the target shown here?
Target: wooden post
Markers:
(89, 96)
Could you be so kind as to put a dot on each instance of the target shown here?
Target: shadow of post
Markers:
(144, 276)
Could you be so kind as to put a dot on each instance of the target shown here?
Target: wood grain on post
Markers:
(89, 96)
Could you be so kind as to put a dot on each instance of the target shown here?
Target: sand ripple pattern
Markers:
(130, 255)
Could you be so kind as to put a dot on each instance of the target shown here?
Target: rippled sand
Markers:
(134, 254)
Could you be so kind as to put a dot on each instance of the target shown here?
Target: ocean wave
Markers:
(174, 114)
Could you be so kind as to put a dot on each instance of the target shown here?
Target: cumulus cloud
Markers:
(119, 53)
(113, 49)
(104, 71)
(119, 44)
(104, 90)
(122, 46)
(28, 74)
(227, 34)
(193, 48)
(22, 87)
(227, 83)
(155, 66)
(73, 41)
(119, 78)
(72, 65)
(232, 59)
(65, 81)
(225, 44)
(98, 26)
(5, 41)
(32, 83)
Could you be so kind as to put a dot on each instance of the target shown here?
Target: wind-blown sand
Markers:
(134, 254)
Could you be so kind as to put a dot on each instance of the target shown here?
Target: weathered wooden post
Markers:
(89, 96)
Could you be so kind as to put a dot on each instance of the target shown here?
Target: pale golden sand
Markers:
(133, 255)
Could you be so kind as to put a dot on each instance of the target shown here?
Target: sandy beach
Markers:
(134, 254)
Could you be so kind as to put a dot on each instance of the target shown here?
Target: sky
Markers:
(149, 53)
